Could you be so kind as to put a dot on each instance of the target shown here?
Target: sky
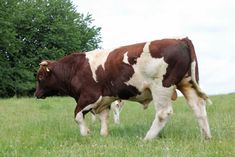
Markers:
(210, 24)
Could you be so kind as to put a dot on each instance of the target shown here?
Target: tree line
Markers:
(33, 30)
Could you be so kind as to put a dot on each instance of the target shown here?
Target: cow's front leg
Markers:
(79, 118)
(104, 122)
(161, 118)
(81, 109)
(82, 124)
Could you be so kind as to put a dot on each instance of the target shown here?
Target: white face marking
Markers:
(97, 58)
(148, 69)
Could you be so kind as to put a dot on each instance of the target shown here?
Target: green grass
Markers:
(30, 127)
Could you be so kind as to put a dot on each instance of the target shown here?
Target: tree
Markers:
(9, 46)
(35, 30)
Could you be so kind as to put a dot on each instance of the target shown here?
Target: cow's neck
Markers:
(69, 70)
(63, 79)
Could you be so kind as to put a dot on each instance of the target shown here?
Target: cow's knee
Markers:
(164, 114)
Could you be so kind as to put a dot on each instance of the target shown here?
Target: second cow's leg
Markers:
(162, 102)
(116, 116)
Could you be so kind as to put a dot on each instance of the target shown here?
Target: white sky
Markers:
(210, 24)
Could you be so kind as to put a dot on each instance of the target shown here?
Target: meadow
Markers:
(31, 127)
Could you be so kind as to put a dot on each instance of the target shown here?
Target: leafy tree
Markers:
(33, 30)
(9, 45)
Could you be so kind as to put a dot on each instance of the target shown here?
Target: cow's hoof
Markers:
(104, 134)
(207, 137)
(85, 132)
(147, 138)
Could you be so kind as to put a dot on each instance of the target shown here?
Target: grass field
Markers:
(30, 127)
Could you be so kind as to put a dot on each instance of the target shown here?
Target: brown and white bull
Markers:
(144, 72)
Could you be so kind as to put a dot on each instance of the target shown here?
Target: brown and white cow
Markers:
(144, 72)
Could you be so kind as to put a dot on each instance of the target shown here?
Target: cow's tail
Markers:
(194, 71)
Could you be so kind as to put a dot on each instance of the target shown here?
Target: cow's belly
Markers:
(103, 103)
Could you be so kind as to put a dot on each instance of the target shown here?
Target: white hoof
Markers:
(85, 131)
(104, 133)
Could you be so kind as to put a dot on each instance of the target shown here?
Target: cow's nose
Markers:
(38, 95)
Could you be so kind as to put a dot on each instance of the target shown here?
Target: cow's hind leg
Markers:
(162, 101)
(198, 105)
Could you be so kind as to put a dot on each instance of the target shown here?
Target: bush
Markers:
(33, 30)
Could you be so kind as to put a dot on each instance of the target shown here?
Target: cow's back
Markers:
(163, 61)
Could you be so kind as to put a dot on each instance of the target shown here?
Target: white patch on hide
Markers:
(146, 47)
(148, 70)
(97, 58)
(125, 58)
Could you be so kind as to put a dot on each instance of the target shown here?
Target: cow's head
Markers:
(47, 83)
